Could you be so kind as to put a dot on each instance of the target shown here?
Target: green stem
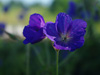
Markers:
(57, 59)
(9, 34)
(47, 53)
(28, 57)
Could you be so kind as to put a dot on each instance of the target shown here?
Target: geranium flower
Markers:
(6, 8)
(78, 11)
(34, 31)
(67, 34)
(96, 16)
(72, 11)
(2, 27)
(22, 13)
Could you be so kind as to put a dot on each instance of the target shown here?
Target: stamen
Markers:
(65, 38)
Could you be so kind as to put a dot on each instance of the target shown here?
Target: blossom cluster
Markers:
(65, 33)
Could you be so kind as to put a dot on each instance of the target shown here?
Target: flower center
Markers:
(65, 38)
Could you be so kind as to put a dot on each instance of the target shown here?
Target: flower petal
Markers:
(75, 44)
(56, 46)
(28, 32)
(32, 36)
(36, 20)
(26, 41)
(62, 22)
(50, 30)
(38, 36)
(77, 28)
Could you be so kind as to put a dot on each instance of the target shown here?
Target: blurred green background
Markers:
(14, 54)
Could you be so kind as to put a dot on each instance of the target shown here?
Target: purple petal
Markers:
(77, 28)
(38, 36)
(63, 21)
(50, 30)
(61, 47)
(28, 32)
(32, 36)
(36, 20)
(75, 44)
(26, 41)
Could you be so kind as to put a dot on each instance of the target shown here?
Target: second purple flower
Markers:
(34, 31)
(67, 34)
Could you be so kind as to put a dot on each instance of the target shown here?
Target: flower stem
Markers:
(9, 34)
(28, 57)
(57, 59)
(47, 52)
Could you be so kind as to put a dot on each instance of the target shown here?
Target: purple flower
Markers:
(96, 16)
(22, 13)
(65, 33)
(34, 31)
(72, 9)
(6, 8)
(21, 16)
(2, 27)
